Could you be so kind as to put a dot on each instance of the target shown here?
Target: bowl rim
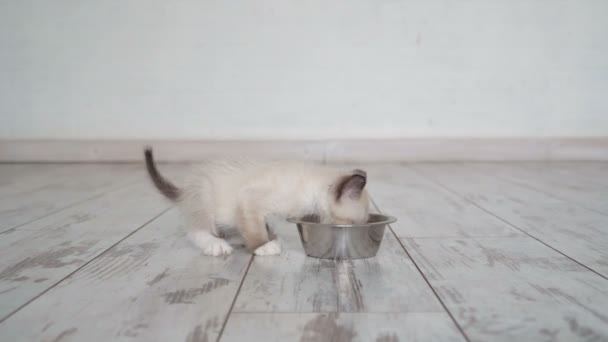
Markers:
(387, 219)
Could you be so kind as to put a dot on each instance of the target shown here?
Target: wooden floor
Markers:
(481, 252)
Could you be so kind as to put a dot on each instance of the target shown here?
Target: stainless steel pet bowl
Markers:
(342, 241)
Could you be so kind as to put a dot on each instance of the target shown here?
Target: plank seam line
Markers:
(543, 192)
(428, 283)
(81, 267)
(238, 291)
(507, 222)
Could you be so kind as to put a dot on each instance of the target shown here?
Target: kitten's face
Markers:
(350, 201)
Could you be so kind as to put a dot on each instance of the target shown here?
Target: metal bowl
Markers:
(342, 241)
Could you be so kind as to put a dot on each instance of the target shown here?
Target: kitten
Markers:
(243, 193)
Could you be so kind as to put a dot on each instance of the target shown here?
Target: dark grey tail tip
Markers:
(149, 157)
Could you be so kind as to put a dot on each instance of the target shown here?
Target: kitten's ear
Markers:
(351, 186)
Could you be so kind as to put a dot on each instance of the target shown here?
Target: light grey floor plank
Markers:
(514, 289)
(13, 174)
(10, 173)
(293, 282)
(575, 231)
(581, 189)
(154, 286)
(36, 177)
(338, 327)
(588, 172)
(28, 200)
(36, 256)
(425, 209)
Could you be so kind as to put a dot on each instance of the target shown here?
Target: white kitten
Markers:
(243, 193)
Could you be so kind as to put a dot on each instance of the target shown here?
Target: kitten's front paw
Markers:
(217, 248)
(269, 248)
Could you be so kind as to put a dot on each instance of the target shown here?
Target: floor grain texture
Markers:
(481, 252)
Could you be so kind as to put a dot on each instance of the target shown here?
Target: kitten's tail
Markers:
(162, 184)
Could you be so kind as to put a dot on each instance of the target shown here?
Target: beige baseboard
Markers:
(414, 149)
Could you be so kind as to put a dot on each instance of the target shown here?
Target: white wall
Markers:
(303, 69)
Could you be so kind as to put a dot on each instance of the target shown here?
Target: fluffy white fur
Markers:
(243, 194)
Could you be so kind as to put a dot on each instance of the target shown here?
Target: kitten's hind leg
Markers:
(211, 245)
(203, 231)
